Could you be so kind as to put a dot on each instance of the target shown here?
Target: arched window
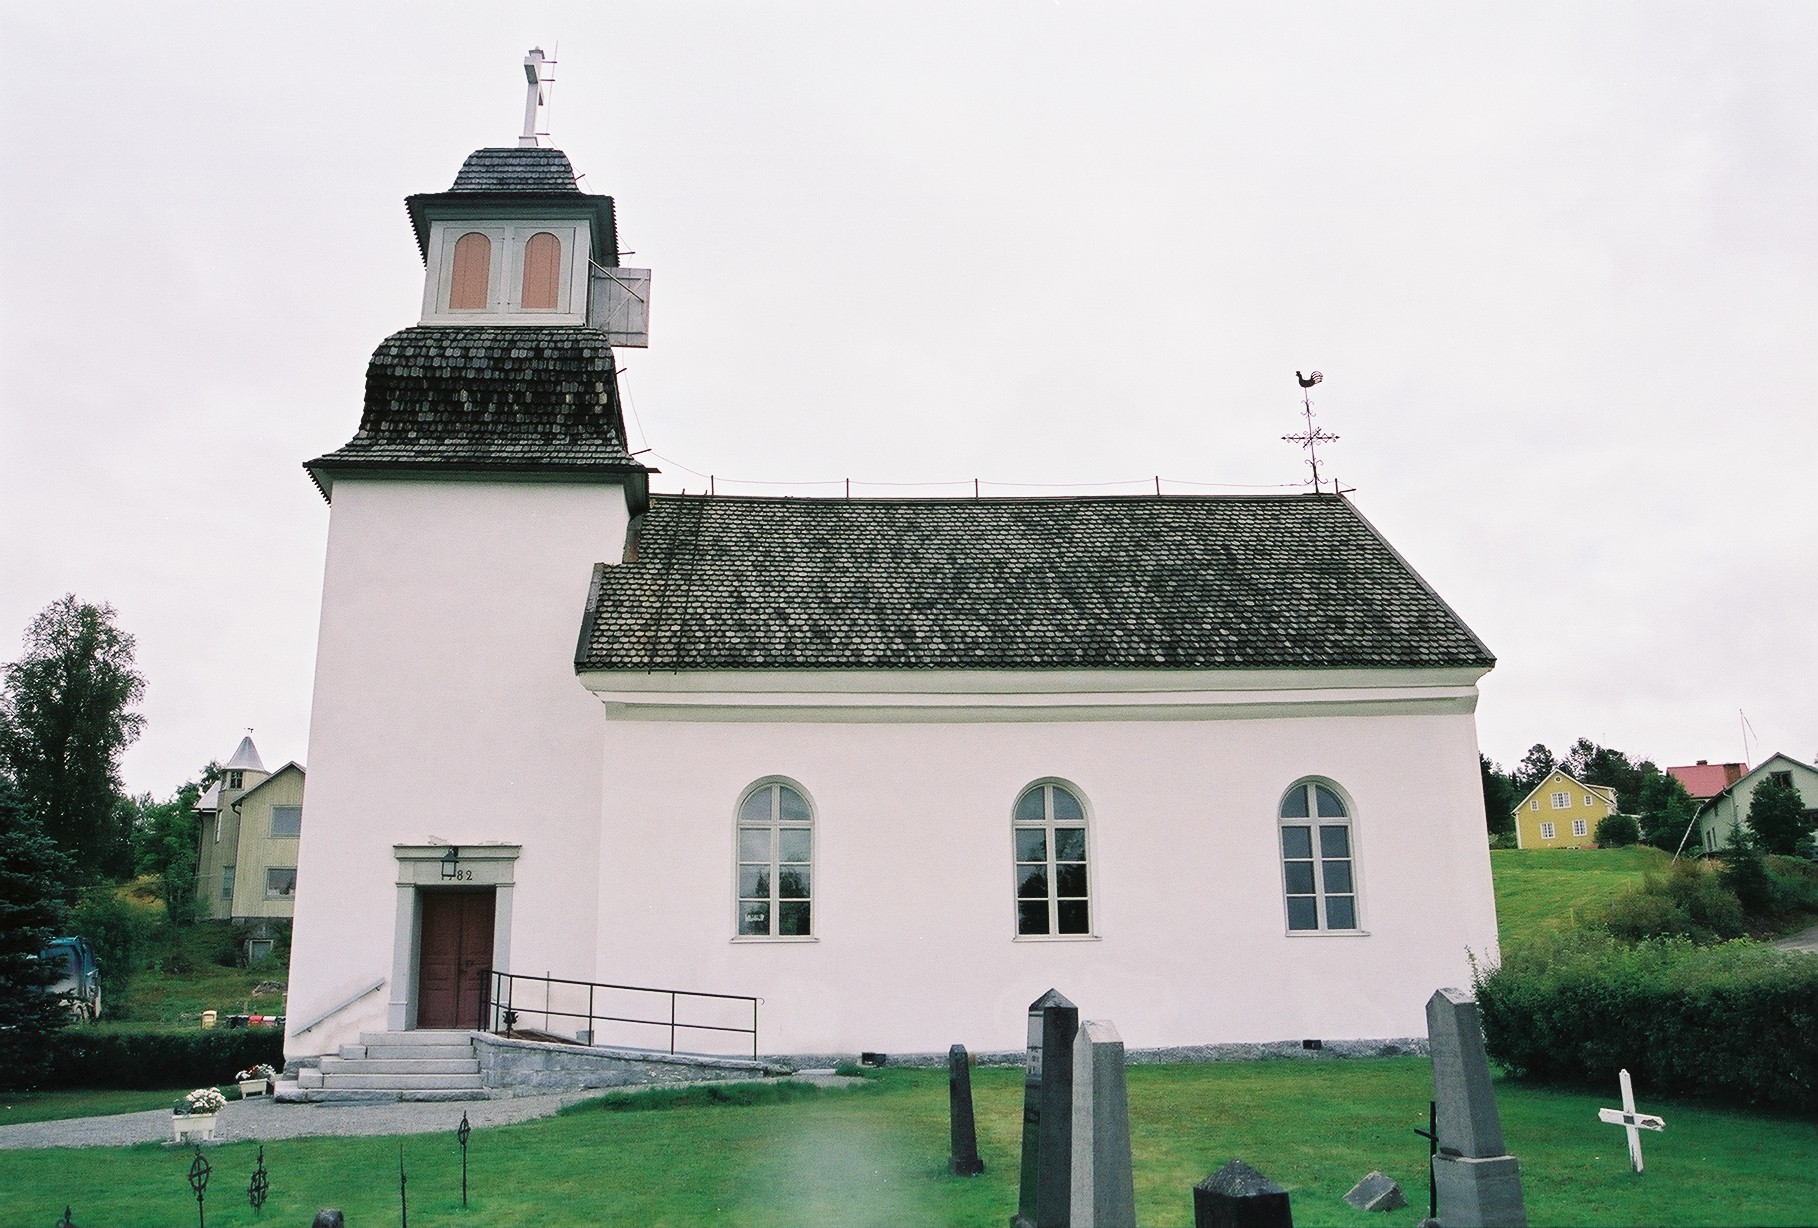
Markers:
(467, 288)
(1050, 831)
(1316, 859)
(542, 272)
(776, 863)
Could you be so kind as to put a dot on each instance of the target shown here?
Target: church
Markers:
(875, 772)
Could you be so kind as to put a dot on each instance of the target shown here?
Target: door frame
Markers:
(422, 865)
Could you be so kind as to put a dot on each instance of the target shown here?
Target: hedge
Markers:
(84, 1057)
(1731, 1022)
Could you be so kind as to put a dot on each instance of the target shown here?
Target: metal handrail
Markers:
(335, 1010)
(497, 1006)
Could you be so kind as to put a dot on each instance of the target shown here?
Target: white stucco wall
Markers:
(915, 947)
(446, 707)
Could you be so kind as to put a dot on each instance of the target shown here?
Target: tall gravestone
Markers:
(1045, 1197)
(962, 1129)
(1479, 1183)
(1104, 1188)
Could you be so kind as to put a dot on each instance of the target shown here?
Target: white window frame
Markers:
(1052, 866)
(776, 826)
(505, 277)
(1580, 827)
(1561, 800)
(272, 823)
(1546, 831)
(1317, 858)
(281, 895)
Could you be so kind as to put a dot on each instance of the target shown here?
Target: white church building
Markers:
(893, 767)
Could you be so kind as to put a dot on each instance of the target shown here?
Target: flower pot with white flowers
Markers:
(256, 1081)
(192, 1119)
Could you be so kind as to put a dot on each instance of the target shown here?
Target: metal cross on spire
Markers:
(1312, 437)
(534, 95)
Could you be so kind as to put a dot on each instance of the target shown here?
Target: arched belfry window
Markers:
(469, 282)
(1316, 858)
(1050, 833)
(542, 272)
(776, 863)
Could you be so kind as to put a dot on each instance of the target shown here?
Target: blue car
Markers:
(78, 976)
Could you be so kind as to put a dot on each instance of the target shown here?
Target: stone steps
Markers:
(390, 1066)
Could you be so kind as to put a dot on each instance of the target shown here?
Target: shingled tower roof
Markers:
(526, 400)
(516, 170)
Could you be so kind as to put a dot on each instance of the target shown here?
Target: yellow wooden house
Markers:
(1562, 813)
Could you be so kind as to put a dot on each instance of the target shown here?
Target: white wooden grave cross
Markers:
(1630, 1120)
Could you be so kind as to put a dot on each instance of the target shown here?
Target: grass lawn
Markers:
(1540, 888)
(55, 1106)
(877, 1155)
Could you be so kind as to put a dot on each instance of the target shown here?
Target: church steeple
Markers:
(510, 367)
(516, 242)
(513, 242)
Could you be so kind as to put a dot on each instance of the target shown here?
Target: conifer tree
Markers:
(32, 877)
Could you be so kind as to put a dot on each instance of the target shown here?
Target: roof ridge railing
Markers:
(512, 998)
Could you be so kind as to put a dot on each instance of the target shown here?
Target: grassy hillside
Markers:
(1541, 888)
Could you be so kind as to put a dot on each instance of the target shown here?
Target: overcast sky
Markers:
(1558, 263)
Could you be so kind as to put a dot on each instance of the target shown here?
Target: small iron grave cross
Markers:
(1630, 1120)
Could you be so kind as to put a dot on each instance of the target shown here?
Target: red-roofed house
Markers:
(1705, 780)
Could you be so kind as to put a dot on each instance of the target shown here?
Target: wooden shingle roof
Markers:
(723, 583)
(509, 169)
(516, 399)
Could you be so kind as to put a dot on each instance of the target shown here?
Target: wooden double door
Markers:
(454, 954)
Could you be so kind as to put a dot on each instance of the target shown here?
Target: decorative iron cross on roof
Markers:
(1630, 1120)
(1312, 436)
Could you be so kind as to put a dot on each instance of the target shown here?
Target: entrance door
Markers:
(453, 956)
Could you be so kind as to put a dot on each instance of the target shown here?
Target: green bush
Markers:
(83, 1057)
(122, 936)
(1688, 899)
(1729, 1022)
(1792, 884)
(1615, 831)
(1744, 873)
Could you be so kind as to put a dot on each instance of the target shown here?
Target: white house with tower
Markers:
(891, 766)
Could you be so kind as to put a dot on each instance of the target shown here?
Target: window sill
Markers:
(1056, 938)
(1328, 933)
(743, 939)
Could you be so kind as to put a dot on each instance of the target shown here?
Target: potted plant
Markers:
(256, 1081)
(193, 1117)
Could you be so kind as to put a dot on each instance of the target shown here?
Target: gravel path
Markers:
(1804, 940)
(263, 1118)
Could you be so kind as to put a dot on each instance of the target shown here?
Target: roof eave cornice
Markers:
(324, 471)
(425, 207)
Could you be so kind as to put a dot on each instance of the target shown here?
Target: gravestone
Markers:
(1104, 1190)
(328, 1217)
(962, 1131)
(1046, 1192)
(1237, 1196)
(1479, 1183)
(1377, 1192)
